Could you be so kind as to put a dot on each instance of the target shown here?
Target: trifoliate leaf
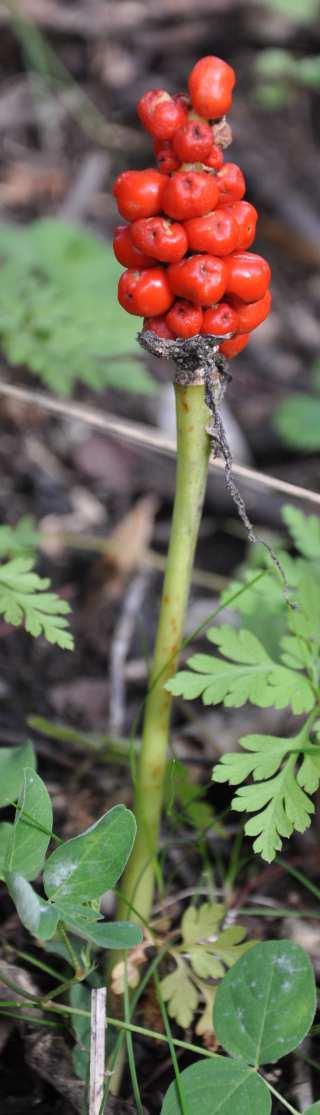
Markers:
(251, 676)
(24, 600)
(181, 995)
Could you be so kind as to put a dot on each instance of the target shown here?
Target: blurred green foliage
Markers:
(281, 76)
(297, 419)
(59, 314)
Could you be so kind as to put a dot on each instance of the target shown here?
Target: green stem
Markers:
(281, 1099)
(193, 448)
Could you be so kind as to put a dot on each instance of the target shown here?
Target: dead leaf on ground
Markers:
(125, 549)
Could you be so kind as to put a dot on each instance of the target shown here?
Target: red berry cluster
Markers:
(186, 246)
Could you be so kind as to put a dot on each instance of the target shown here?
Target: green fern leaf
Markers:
(24, 600)
(280, 806)
(251, 676)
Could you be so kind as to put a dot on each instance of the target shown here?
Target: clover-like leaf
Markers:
(83, 868)
(38, 916)
(265, 1004)
(32, 829)
(107, 935)
(218, 1087)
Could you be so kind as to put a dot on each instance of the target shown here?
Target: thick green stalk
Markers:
(193, 449)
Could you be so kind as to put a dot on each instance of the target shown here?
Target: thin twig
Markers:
(146, 437)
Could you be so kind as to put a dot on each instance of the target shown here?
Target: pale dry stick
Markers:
(97, 1049)
(146, 437)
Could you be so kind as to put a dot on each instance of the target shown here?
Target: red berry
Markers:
(251, 314)
(231, 182)
(246, 217)
(231, 348)
(193, 141)
(160, 114)
(248, 276)
(215, 159)
(210, 85)
(200, 279)
(189, 193)
(159, 326)
(126, 253)
(220, 319)
(184, 318)
(166, 158)
(216, 233)
(139, 192)
(160, 237)
(146, 293)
